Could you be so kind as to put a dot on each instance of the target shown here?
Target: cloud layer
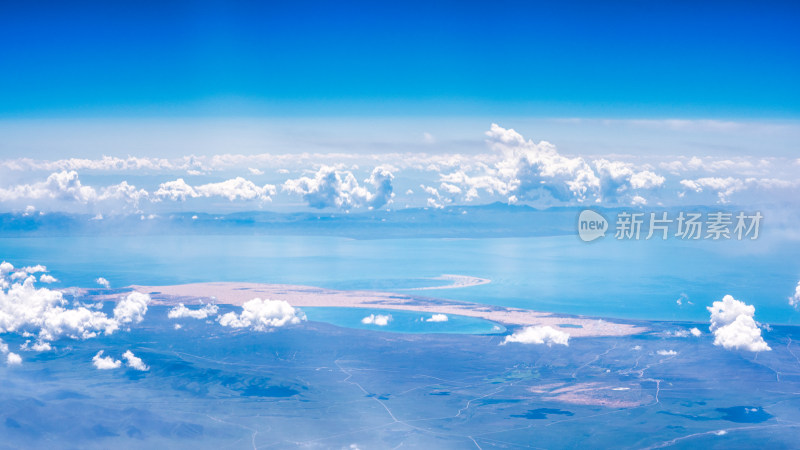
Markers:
(513, 169)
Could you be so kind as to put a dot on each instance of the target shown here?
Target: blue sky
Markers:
(553, 59)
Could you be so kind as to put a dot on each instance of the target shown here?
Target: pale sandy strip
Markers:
(300, 296)
(458, 281)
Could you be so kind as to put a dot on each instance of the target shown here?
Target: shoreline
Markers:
(458, 281)
(233, 293)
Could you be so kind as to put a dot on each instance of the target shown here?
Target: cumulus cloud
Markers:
(32, 311)
(177, 190)
(103, 282)
(45, 278)
(181, 312)
(618, 178)
(64, 185)
(67, 186)
(380, 320)
(695, 332)
(794, 300)
(263, 315)
(538, 335)
(667, 352)
(26, 308)
(34, 269)
(105, 362)
(13, 359)
(234, 189)
(734, 327)
(132, 308)
(37, 346)
(437, 318)
(533, 171)
(125, 192)
(134, 362)
(331, 187)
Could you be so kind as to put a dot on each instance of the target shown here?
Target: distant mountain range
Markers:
(490, 220)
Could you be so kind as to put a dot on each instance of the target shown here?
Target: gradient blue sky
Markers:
(554, 59)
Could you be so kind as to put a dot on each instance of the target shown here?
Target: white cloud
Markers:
(34, 269)
(233, 189)
(331, 187)
(437, 318)
(103, 282)
(132, 308)
(695, 332)
(738, 165)
(106, 163)
(262, 315)
(25, 308)
(538, 335)
(13, 359)
(380, 320)
(255, 171)
(105, 362)
(531, 171)
(529, 168)
(795, 299)
(38, 346)
(6, 267)
(667, 352)
(726, 187)
(181, 312)
(177, 190)
(67, 186)
(125, 192)
(734, 327)
(236, 189)
(618, 178)
(64, 185)
(134, 362)
(677, 333)
(45, 278)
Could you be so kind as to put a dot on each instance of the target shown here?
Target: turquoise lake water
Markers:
(607, 278)
(402, 321)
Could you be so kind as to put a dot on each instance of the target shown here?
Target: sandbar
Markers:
(236, 293)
